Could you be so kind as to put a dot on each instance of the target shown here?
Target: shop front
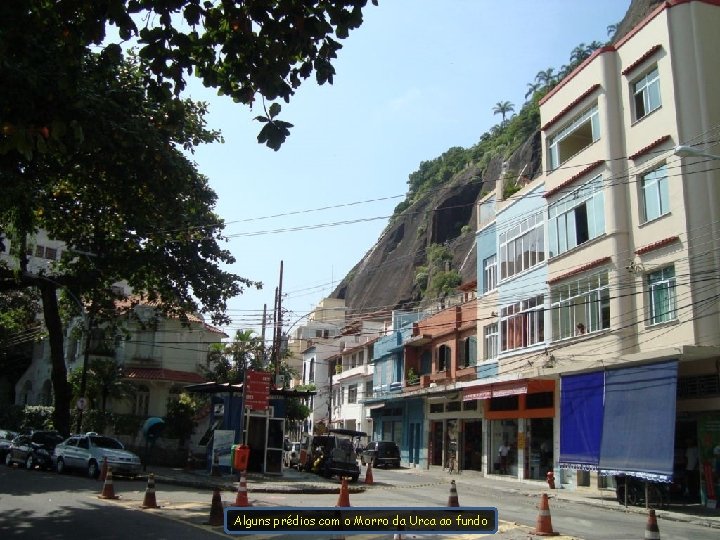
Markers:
(455, 432)
(519, 426)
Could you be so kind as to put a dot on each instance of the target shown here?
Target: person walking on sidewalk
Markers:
(503, 452)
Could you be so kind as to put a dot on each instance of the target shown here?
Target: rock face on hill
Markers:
(385, 277)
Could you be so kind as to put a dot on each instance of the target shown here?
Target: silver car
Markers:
(87, 452)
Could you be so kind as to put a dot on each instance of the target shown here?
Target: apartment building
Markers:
(610, 344)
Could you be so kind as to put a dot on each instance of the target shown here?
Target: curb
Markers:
(225, 486)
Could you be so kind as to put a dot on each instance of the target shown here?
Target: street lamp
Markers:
(689, 151)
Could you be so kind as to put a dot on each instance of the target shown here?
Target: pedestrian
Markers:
(503, 452)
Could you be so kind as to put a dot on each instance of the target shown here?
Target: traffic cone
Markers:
(543, 527)
(103, 469)
(369, 474)
(216, 465)
(108, 491)
(651, 529)
(242, 497)
(149, 501)
(453, 498)
(344, 498)
(217, 517)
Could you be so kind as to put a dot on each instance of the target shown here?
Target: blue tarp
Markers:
(639, 421)
(581, 420)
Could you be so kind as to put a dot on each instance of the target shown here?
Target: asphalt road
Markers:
(35, 504)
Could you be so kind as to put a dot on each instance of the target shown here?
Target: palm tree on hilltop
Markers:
(503, 107)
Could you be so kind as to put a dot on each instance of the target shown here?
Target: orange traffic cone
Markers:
(453, 498)
(543, 527)
(651, 529)
(344, 498)
(103, 470)
(149, 501)
(369, 474)
(108, 491)
(242, 497)
(217, 517)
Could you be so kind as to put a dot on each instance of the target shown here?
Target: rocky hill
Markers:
(385, 278)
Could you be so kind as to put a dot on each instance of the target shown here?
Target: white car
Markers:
(87, 452)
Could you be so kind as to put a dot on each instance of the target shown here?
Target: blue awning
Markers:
(581, 420)
(639, 421)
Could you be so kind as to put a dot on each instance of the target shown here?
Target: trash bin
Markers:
(241, 454)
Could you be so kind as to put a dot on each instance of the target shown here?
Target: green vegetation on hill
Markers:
(500, 141)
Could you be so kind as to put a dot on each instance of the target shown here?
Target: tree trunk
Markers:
(61, 387)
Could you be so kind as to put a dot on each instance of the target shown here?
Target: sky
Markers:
(417, 78)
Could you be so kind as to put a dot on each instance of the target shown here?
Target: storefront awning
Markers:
(581, 420)
(508, 388)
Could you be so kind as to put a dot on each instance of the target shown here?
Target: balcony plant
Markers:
(412, 378)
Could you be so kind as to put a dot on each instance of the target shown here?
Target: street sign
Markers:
(257, 390)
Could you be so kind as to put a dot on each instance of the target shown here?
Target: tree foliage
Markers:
(247, 49)
(122, 189)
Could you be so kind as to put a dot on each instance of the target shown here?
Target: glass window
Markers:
(655, 194)
(490, 337)
(490, 273)
(661, 295)
(578, 134)
(522, 324)
(577, 217)
(352, 393)
(646, 92)
(580, 307)
(522, 247)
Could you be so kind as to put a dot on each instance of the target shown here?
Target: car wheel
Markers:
(8, 459)
(30, 463)
(354, 478)
(93, 469)
(60, 467)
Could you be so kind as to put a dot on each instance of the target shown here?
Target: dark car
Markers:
(332, 454)
(34, 449)
(378, 453)
(6, 438)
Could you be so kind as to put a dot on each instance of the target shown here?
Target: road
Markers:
(36, 504)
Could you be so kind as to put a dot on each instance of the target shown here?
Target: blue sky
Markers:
(418, 77)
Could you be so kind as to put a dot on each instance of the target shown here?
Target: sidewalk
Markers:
(292, 481)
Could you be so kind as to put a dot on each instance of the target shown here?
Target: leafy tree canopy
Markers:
(246, 49)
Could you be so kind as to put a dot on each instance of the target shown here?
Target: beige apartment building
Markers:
(633, 252)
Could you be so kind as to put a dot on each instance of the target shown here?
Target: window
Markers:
(368, 389)
(443, 358)
(646, 93)
(352, 393)
(661, 295)
(580, 307)
(490, 273)
(142, 401)
(580, 133)
(468, 353)
(655, 196)
(490, 337)
(522, 324)
(522, 247)
(577, 217)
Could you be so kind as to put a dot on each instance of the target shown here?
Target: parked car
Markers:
(33, 449)
(6, 437)
(291, 455)
(331, 454)
(87, 452)
(378, 453)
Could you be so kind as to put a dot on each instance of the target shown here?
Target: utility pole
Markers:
(277, 339)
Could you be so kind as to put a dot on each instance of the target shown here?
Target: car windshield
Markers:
(106, 442)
